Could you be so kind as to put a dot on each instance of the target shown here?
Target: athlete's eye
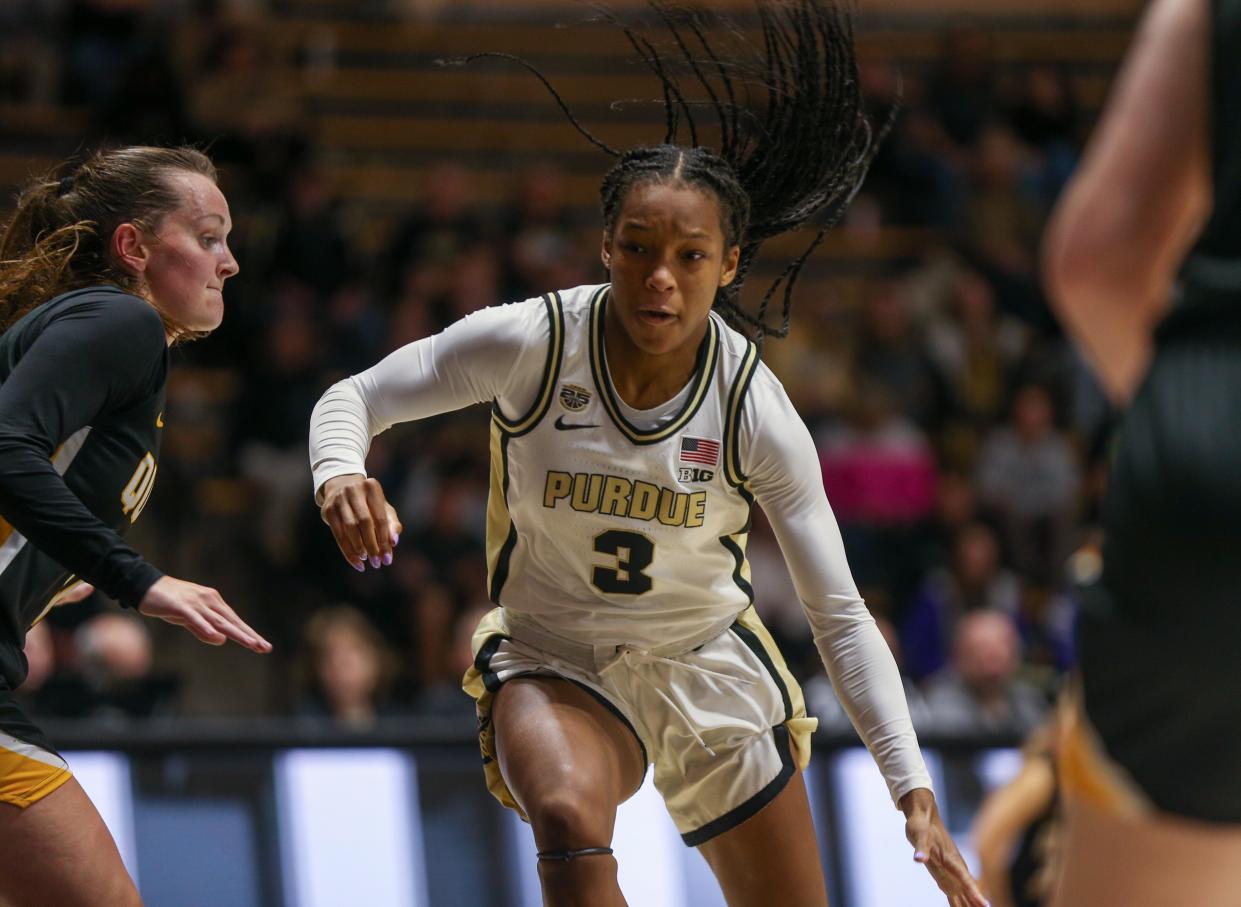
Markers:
(633, 247)
(209, 239)
(694, 255)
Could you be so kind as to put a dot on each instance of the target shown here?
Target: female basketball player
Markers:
(632, 431)
(1152, 767)
(103, 265)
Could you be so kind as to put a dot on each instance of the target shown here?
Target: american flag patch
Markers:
(700, 450)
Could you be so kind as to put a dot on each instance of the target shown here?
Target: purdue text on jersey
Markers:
(618, 496)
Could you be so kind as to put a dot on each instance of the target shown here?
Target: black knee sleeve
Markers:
(564, 856)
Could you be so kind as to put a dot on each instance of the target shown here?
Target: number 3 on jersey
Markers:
(633, 552)
(135, 495)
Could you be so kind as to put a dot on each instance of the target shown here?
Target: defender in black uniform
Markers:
(1152, 225)
(104, 267)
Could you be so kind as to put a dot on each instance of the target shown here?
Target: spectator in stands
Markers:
(29, 62)
(249, 105)
(1002, 220)
(980, 693)
(539, 233)
(879, 473)
(311, 244)
(962, 90)
(974, 581)
(1045, 115)
(1029, 477)
(272, 424)
(438, 229)
(977, 352)
(115, 659)
(890, 352)
(347, 670)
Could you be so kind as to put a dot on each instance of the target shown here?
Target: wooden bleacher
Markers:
(385, 112)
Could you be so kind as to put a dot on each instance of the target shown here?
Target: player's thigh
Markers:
(566, 758)
(1151, 861)
(58, 851)
(773, 856)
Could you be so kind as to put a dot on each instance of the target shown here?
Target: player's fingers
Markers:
(231, 625)
(955, 865)
(363, 524)
(379, 544)
(340, 520)
(395, 526)
(201, 628)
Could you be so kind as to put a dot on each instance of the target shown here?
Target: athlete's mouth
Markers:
(656, 316)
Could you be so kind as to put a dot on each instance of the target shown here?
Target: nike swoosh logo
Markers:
(562, 425)
(159, 421)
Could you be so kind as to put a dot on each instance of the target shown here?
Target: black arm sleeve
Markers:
(86, 363)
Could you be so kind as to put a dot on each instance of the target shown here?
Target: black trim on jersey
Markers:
(611, 707)
(542, 402)
(482, 661)
(739, 557)
(734, 817)
(551, 373)
(732, 419)
(499, 575)
(704, 370)
(755, 644)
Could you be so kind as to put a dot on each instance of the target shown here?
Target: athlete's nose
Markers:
(660, 279)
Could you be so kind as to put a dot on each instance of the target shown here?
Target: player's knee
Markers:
(564, 821)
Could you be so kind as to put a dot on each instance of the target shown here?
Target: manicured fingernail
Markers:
(396, 537)
(375, 562)
(387, 558)
(360, 566)
(920, 856)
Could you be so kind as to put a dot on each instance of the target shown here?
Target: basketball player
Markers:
(1144, 262)
(632, 431)
(103, 265)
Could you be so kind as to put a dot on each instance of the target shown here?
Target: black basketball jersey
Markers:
(81, 411)
(1213, 271)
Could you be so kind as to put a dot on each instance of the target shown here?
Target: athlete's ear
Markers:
(732, 258)
(129, 248)
(605, 253)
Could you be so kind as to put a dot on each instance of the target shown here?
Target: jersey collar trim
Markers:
(708, 355)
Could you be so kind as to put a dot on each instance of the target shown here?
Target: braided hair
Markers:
(798, 155)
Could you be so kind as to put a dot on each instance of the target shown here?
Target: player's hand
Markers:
(934, 848)
(78, 592)
(200, 610)
(364, 523)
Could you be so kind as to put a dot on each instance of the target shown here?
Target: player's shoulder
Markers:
(576, 303)
(109, 311)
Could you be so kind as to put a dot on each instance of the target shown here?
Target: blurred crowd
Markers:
(961, 439)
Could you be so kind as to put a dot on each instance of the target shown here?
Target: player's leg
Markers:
(569, 762)
(58, 851)
(773, 856)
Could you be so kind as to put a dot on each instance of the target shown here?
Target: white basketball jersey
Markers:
(607, 533)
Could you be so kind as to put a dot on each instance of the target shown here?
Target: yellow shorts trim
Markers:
(801, 726)
(25, 777)
(475, 683)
